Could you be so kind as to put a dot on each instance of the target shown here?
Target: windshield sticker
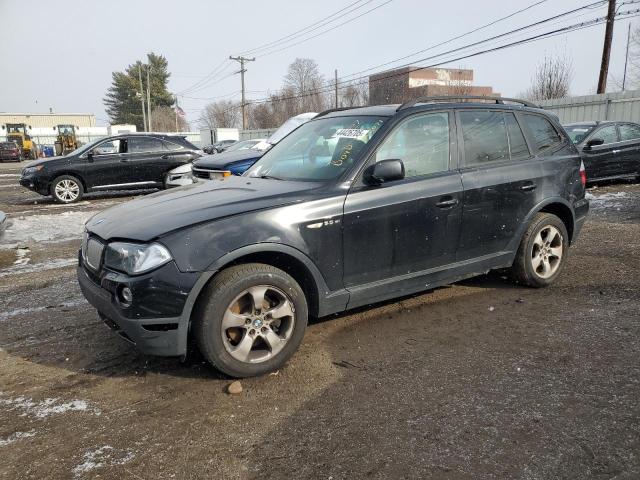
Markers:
(579, 129)
(350, 133)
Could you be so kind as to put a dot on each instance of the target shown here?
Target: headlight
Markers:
(35, 169)
(135, 258)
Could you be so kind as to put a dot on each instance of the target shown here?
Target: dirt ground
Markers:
(483, 379)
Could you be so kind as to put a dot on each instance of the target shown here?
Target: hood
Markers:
(155, 215)
(220, 161)
(44, 161)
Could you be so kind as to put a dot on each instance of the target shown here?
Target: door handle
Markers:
(164, 157)
(529, 187)
(124, 160)
(615, 151)
(452, 202)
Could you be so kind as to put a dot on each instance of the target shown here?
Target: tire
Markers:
(540, 259)
(66, 189)
(234, 338)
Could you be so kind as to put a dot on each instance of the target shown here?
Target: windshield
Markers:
(578, 133)
(319, 150)
(242, 145)
(87, 147)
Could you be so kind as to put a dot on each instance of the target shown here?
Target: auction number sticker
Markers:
(350, 133)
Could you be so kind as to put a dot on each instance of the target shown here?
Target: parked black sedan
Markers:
(610, 150)
(120, 162)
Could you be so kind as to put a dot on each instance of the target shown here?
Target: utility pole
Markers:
(241, 72)
(626, 59)
(175, 97)
(606, 51)
(336, 77)
(149, 98)
(144, 115)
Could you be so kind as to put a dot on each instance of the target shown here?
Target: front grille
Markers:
(208, 174)
(92, 253)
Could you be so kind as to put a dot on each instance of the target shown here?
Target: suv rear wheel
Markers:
(542, 251)
(66, 189)
(252, 321)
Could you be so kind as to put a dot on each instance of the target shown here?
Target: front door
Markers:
(602, 161)
(396, 233)
(106, 165)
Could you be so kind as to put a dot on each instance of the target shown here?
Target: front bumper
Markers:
(36, 184)
(143, 323)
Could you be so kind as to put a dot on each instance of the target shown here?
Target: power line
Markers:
(200, 82)
(298, 33)
(326, 31)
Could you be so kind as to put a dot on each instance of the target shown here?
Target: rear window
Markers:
(8, 145)
(543, 132)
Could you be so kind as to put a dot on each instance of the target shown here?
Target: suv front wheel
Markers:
(542, 251)
(252, 320)
(66, 189)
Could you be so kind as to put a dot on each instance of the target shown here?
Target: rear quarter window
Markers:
(542, 132)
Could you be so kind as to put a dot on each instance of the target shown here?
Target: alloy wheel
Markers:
(258, 324)
(67, 190)
(546, 254)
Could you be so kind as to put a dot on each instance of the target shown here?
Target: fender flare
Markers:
(517, 238)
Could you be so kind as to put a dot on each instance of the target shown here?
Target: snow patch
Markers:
(21, 268)
(22, 311)
(44, 408)
(9, 174)
(105, 456)
(57, 227)
(15, 437)
(607, 200)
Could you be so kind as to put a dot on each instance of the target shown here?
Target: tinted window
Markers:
(578, 133)
(108, 147)
(143, 144)
(517, 143)
(421, 142)
(608, 134)
(544, 134)
(172, 146)
(629, 131)
(485, 137)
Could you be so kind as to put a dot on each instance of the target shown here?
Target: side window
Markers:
(629, 131)
(107, 148)
(172, 146)
(608, 134)
(485, 137)
(517, 143)
(421, 142)
(143, 145)
(543, 132)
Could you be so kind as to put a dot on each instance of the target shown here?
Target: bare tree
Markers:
(221, 114)
(305, 80)
(355, 94)
(552, 78)
(164, 120)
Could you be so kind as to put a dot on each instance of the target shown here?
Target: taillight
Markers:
(583, 174)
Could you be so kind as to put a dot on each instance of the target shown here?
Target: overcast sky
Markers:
(61, 55)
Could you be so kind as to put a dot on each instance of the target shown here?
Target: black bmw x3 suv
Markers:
(121, 162)
(356, 206)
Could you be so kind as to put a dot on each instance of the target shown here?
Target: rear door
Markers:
(630, 148)
(148, 158)
(500, 176)
(602, 161)
(393, 233)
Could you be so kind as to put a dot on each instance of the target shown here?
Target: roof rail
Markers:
(331, 110)
(449, 98)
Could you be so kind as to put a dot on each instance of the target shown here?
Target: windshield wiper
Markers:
(269, 177)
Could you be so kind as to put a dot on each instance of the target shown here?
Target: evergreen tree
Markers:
(122, 100)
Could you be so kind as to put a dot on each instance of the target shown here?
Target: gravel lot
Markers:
(483, 379)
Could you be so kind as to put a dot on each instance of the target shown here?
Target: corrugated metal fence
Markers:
(623, 106)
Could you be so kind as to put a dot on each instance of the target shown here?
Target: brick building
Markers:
(403, 84)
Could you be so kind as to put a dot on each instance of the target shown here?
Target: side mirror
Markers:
(384, 171)
(594, 142)
(90, 155)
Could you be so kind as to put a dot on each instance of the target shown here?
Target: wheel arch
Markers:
(71, 174)
(557, 206)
